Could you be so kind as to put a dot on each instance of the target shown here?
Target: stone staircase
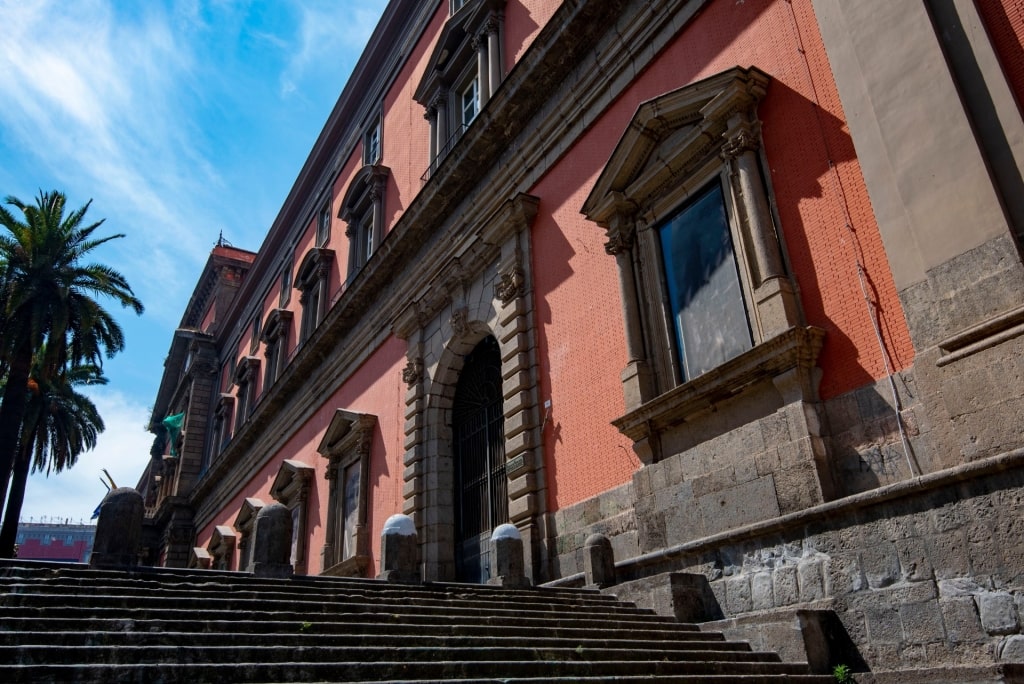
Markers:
(70, 623)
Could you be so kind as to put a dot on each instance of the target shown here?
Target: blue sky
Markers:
(179, 119)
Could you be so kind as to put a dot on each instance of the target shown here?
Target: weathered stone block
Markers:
(961, 620)
(844, 574)
(948, 554)
(740, 505)
(998, 612)
(922, 622)
(884, 625)
(810, 579)
(1012, 650)
(784, 585)
(737, 592)
(881, 564)
(914, 563)
(761, 592)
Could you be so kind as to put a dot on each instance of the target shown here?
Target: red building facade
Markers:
(694, 275)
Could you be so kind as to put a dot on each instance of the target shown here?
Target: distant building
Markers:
(55, 542)
(737, 284)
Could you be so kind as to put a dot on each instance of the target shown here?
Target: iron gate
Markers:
(481, 490)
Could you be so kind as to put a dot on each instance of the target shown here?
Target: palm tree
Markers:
(59, 425)
(47, 297)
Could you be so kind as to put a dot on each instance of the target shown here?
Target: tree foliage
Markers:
(53, 321)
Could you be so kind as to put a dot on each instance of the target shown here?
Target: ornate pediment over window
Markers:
(672, 135)
(455, 46)
(683, 202)
(346, 446)
(363, 210)
(465, 69)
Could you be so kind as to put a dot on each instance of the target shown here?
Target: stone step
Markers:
(304, 587)
(299, 612)
(219, 580)
(302, 671)
(30, 654)
(150, 595)
(67, 623)
(72, 637)
(11, 627)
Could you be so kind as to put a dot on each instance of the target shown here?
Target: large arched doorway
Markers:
(478, 445)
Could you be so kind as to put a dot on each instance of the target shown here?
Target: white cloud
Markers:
(123, 449)
(323, 29)
(96, 100)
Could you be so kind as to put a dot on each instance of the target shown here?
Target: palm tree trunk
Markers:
(12, 410)
(15, 498)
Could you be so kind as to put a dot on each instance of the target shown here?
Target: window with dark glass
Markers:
(371, 144)
(323, 226)
(704, 289)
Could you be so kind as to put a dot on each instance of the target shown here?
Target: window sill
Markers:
(794, 349)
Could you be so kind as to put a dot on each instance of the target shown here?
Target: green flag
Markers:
(173, 425)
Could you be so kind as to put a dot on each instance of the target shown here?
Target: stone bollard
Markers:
(272, 542)
(118, 531)
(398, 551)
(507, 555)
(598, 561)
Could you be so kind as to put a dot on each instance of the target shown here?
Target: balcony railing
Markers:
(443, 152)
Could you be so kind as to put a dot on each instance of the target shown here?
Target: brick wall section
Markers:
(1004, 22)
(818, 191)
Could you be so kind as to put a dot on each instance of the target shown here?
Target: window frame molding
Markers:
(362, 209)
(245, 523)
(222, 547)
(247, 372)
(223, 422)
(674, 146)
(313, 278)
(275, 344)
(471, 42)
(347, 441)
(291, 489)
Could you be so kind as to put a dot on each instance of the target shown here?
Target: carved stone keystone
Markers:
(118, 530)
(598, 561)
(272, 542)
(398, 551)
(507, 552)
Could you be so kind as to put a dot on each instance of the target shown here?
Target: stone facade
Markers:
(817, 428)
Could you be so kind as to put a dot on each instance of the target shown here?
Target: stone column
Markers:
(636, 377)
(272, 542)
(377, 227)
(483, 69)
(742, 149)
(118, 531)
(493, 55)
(398, 551)
(441, 106)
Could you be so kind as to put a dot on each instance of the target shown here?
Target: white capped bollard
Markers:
(507, 557)
(399, 550)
